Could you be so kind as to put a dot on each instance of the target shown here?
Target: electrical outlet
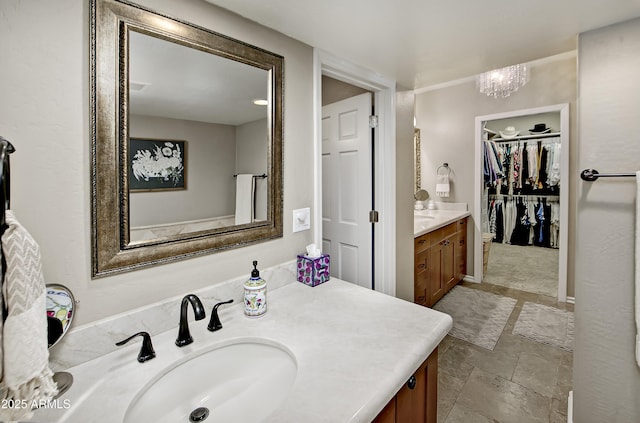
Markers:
(301, 219)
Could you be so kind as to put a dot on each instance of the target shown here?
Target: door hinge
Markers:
(373, 216)
(373, 121)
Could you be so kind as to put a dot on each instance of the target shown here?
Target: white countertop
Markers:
(354, 348)
(425, 221)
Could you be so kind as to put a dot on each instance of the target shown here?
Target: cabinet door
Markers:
(417, 400)
(449, 269)
(411, 406)
(436, 288)
(461, 254)
(388, 413)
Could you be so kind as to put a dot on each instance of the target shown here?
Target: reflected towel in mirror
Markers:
(244, 198)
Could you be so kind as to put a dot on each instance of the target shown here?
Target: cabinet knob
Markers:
(411, 383)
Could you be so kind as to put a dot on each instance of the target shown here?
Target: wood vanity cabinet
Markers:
(439, 262)
(417, 400)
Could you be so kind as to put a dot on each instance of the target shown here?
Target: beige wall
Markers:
(446, 118)
(44, 81)
(404, 194)
(252, 147)
(210, 164)
(606, 379)
(334, 90)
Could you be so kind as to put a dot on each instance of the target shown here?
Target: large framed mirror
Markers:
(186, 139)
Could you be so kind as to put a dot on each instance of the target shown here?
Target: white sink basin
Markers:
(239, 382)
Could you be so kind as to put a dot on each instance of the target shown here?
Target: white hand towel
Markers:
(637, 276)
(442, 186)
(25, 376)
(244, 198)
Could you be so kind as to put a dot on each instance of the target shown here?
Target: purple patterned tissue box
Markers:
(313, 271)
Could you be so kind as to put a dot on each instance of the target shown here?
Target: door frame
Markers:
(384, 90)
(563, 109)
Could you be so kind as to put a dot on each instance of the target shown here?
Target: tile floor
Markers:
(519, 381)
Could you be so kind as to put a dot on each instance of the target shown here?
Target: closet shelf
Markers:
(527, 137)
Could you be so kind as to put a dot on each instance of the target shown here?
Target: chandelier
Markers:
(500, 83)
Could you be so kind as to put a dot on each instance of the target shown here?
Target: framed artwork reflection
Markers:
(157, 164)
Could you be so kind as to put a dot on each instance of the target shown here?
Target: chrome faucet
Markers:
(184, 336)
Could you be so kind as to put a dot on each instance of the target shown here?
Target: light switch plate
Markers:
(301, 219)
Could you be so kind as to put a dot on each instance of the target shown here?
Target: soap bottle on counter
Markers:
(255, 294)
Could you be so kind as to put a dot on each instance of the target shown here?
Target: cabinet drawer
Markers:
(422, 243)
(449, 230)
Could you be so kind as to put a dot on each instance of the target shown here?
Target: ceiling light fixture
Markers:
(260, 102)
(501, 83)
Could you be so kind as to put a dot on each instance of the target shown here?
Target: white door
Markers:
(346, 188)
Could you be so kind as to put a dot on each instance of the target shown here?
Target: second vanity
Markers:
(344, 351)
(440, 253)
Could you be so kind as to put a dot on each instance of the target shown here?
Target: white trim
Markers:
(570, 408)
(571, 300)
(564, 192)
(533, 64)
(385, 157)
(468, 278)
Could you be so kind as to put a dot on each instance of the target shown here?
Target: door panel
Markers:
(346, 188)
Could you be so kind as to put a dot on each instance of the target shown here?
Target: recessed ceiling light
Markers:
(260, 102)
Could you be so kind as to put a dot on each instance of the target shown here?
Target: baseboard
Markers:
(570, 408)
(571, 300)
(471, 279)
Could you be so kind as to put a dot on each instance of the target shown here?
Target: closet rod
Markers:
(550, 196)
(591, 175)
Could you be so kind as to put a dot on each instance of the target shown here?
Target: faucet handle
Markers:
(214, 322)
(146, 352)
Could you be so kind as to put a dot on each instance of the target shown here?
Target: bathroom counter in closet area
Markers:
(440, 253)
(354, 349)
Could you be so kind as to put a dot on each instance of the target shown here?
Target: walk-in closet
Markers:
(521, 208)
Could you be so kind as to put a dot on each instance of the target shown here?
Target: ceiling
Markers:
(173, 81)
(426, 42)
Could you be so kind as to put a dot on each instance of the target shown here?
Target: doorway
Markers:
(347, 183)
(526, 233)
(384, 266)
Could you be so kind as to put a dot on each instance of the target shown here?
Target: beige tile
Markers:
(517, 344)
(549, 301)
(565, 375)
(502, 400)
(497, 363)
(537, 373)
(460, 415)
(558, 411)
(449, 388)
(455, 361)
(444, 345)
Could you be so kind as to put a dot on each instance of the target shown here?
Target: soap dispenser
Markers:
(255, 294)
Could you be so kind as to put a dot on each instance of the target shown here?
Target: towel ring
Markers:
(446, 166)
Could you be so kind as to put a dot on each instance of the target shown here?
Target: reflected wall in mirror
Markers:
(174, 86)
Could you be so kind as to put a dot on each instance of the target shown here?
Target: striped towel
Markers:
(25, 376)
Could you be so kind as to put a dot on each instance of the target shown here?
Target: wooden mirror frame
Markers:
(112, 251)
